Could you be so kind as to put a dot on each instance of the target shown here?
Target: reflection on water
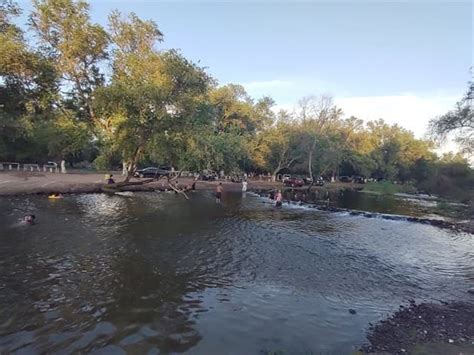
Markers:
(155, 273)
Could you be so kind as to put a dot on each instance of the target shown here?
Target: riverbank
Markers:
(426, 328)
(28, 183)
(24, 183)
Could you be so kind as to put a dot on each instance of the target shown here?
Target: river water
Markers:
(154, 273)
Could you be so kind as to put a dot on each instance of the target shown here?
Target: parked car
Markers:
(359, 179)
(294, 181)
(285, 177)
(152, 172)
(307, 180)
(209, 176)
(345, 179)
(237, 178)
(319, 181)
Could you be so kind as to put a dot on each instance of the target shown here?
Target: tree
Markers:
(76, 45)
(236, 111)
(459, 122)
(277, 148)
(28, 90)
(154, 97)
(316, 115)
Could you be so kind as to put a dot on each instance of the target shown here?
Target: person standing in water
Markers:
(244, 185)
(219, 190)
(278, 199)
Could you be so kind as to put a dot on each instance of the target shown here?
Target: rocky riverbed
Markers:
(321, 205)
(426, 328)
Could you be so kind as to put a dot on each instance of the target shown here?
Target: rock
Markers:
(352, 311)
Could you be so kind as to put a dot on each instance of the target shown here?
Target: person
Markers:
(29, 219)
(219, 190)
(244, 185)
(278, 198)
(110, 180)
(193, 186)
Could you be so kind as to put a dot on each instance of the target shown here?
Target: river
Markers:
(155, 273)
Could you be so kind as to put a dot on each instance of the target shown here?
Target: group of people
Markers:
(278, 196)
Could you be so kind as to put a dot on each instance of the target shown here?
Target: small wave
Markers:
(440, 223)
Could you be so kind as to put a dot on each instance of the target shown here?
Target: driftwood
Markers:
(174, 186)
(121, 184)
(170, 180)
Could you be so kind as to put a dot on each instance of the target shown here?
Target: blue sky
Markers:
(404, 61)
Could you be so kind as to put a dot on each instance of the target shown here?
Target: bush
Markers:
(389, 188)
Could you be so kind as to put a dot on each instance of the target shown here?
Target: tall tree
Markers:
(28, 89)
(316, 115)
(77, 46)
(154, 97)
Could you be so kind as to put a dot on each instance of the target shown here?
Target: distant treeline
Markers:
(109, 96)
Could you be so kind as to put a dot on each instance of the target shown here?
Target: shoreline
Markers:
(424, 328)
(33, 183)
(28, 183)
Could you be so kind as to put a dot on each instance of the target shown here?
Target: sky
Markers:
(402, 61)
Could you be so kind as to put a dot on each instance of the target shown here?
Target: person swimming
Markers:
(29, 219)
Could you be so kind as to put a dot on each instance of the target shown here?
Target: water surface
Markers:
(155, 273)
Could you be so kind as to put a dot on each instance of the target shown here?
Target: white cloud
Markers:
(410, 111)
(407, 110)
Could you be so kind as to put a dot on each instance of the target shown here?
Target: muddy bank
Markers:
(320, 205)
(425, 328)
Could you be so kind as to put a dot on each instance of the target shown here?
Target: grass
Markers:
(388, 188)
(454, 211)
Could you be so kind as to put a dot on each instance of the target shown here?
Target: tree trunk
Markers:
(275, 172)
(310, 159)
(132, 165)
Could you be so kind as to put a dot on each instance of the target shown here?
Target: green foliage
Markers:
(459, 122)
(388, 188)
(157, 106)
(450, 179)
